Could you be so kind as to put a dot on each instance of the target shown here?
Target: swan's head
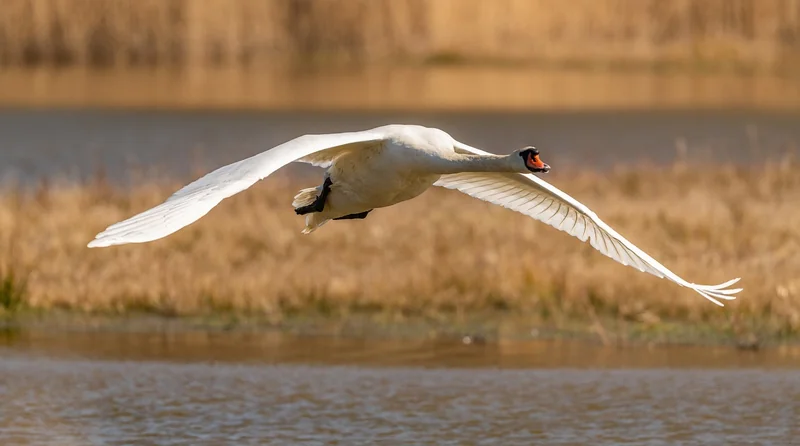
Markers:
(530, 156)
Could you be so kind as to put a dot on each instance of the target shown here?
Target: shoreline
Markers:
(476, 328)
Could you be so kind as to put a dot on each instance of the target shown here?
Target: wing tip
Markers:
(99, 243)
(715, 293)
(718, 286)
(106, 238)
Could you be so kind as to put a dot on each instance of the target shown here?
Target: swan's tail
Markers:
(304, 198)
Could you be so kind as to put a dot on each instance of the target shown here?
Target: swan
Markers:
(386, 165)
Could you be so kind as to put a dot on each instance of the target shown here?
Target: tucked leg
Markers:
(359, 216)
(319, 204)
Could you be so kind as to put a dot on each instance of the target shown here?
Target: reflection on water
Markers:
(278, 347)
(396, 88)
(203, 388)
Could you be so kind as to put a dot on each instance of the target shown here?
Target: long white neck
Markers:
(474, 163)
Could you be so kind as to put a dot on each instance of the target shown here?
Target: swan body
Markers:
(376, 176)
(386, 165)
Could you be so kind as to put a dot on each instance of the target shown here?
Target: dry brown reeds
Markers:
(753, 34)
(440, 254)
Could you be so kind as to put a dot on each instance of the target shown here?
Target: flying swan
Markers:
(386, 165)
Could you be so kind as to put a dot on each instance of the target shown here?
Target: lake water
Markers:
(78, 388)
(75, 143)
(59, 122)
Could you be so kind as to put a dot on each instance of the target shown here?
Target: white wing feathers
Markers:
(523, 193)
(532, 196)
(194, 200)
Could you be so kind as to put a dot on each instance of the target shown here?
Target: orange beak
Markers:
(536, 163)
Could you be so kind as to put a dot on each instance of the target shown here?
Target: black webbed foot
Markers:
(359, 216)
(319, 204)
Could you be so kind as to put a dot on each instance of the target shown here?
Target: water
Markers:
(71, 122)
(227, 388)
(174, 387)
(75, 143)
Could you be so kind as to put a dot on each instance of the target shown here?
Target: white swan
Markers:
(386, 165)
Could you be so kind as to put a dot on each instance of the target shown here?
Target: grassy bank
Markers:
(753, 35)
(443, 256)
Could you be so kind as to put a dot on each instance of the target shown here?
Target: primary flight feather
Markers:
(386, 165)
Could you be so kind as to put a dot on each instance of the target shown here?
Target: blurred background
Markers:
(443, 319)
(575, 78)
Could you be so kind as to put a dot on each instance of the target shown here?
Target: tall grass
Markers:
(438, 255)
(12, 291)
(754, 34)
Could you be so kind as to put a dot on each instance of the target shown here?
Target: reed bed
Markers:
(440, 255)
(751, 34)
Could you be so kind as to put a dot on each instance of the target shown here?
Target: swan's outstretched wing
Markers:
(197, 198)
(530, 195)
